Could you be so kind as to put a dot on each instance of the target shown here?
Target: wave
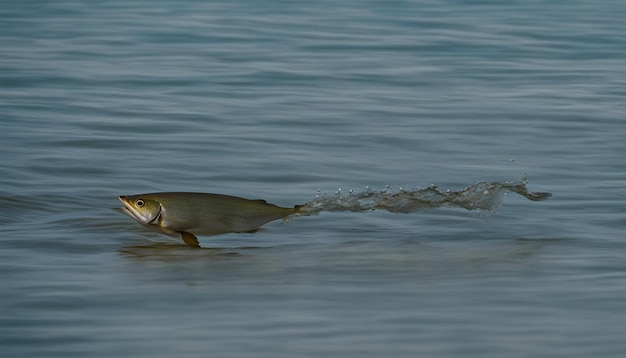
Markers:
(482, 196)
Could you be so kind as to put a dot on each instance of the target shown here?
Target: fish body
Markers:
(193, 214)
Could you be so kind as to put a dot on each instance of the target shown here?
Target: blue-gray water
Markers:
(275, 100)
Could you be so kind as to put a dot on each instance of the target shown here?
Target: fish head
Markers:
(144, 210)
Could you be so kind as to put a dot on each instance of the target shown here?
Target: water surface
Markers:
(275, 101)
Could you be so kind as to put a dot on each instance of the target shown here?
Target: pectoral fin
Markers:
(189, 239)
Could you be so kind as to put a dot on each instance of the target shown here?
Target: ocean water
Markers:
(286, 101)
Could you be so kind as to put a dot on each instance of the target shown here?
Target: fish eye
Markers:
(139, 203)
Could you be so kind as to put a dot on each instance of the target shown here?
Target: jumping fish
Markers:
(190, 214)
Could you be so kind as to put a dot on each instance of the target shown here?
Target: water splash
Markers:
(485, 197)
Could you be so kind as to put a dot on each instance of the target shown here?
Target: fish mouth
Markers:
(129, 210)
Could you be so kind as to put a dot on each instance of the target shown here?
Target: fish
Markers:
(189, 214)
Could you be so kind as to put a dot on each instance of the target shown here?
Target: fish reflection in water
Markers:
(378, 258)
(174, 251)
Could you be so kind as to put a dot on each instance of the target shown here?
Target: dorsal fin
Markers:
(259, 201)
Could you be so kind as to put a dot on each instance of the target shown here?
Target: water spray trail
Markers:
(483, 196)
